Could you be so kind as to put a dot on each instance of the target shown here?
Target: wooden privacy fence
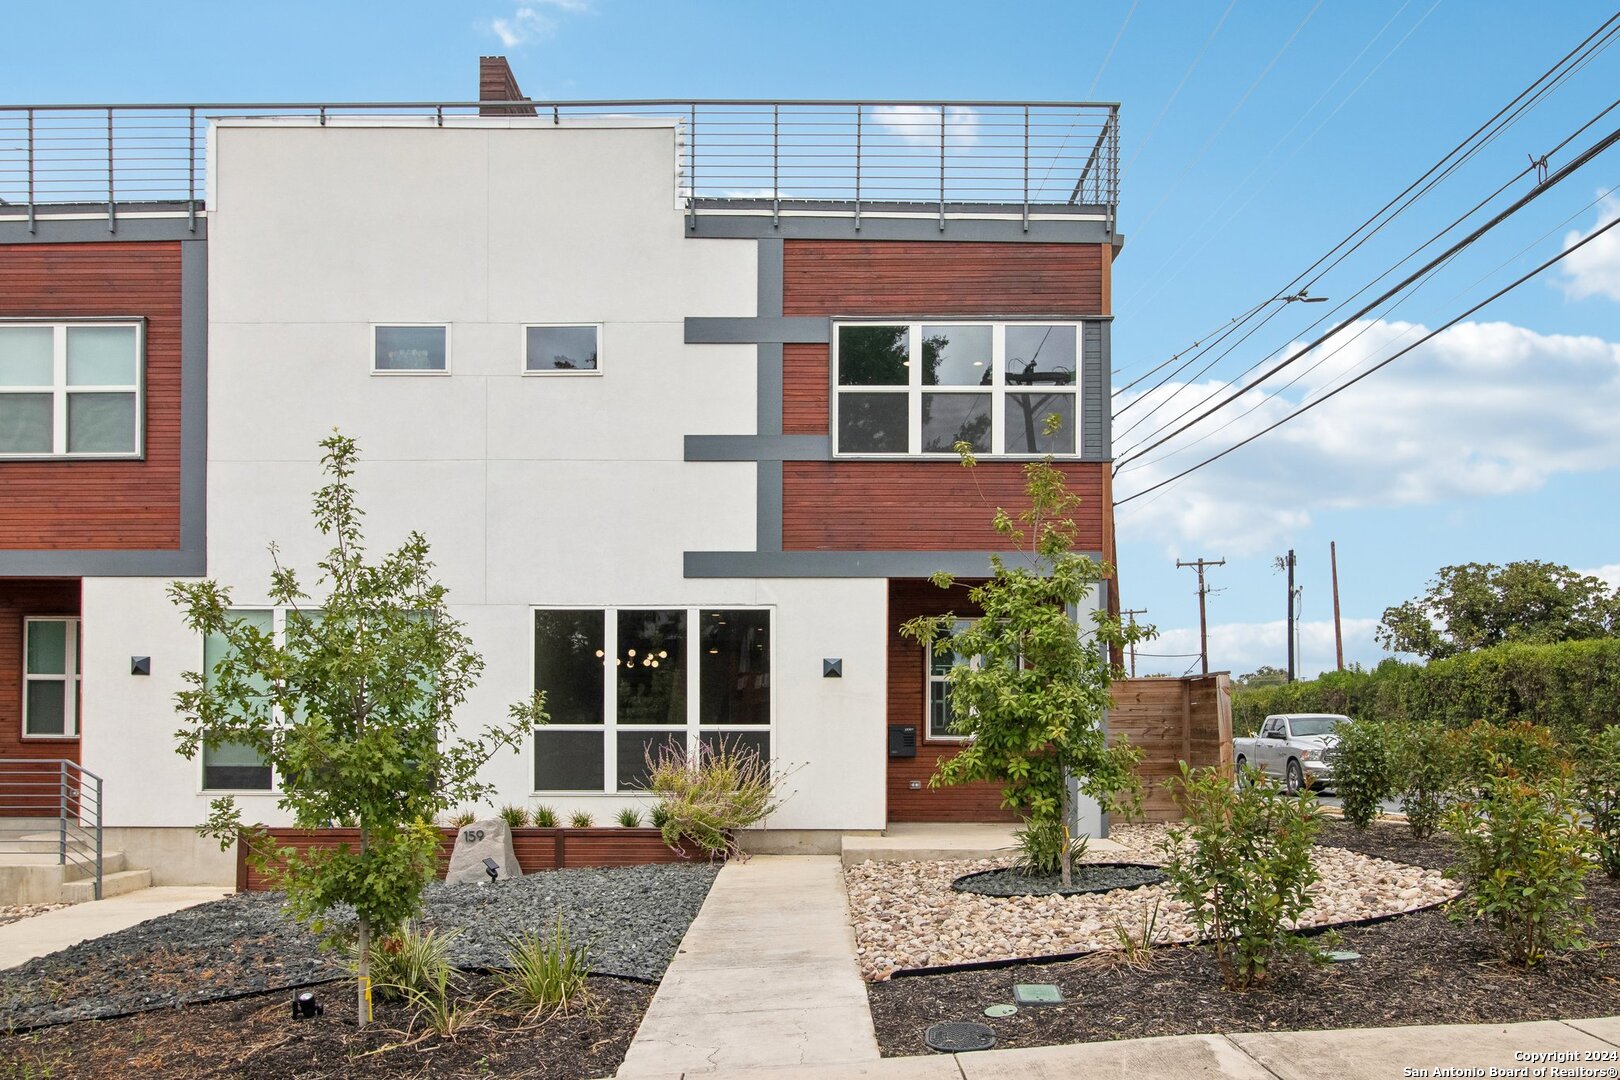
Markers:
(536, 849)
(1171, 721)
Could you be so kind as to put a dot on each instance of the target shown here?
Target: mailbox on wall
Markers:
(902, 740)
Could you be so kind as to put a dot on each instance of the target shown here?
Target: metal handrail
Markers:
(59, 790)
(731, 152)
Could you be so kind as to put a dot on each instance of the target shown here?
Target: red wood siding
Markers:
(871, 277)
(920, 505)
(805, 386)
(906, 696)
(100, 504)
(18, 600)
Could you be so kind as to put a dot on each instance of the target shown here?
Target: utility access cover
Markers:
(1037, 994)
(955, 1037)
(998, 1011)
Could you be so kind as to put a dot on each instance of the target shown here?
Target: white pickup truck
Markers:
(1295, 748)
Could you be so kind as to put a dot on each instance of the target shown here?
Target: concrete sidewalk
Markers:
(765, 978)
(1354, 1054)
(37, 935)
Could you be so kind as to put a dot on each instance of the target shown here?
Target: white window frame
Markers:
(610, 727)
(278, 630)
(914, 389)
(73, 678)
(449, 353)
(60, 390)
(552, 373)
(930, 680)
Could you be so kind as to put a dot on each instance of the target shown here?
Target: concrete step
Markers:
(117, 884)
(112, 862)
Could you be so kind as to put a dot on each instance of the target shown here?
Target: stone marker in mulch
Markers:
(482, 840)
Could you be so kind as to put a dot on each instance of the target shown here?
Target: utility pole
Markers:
(1131, 614)
(1203, 623)
(1338, 628)
(1290, 567)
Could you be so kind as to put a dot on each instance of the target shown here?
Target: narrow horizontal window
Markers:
(71, 389)
(562, 350)
(926, 388)
(411, 350)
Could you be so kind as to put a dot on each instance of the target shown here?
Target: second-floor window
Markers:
(71, 389)
(922, 387)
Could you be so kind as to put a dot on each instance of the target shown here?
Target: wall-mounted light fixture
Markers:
(832, 668)
(140, 665)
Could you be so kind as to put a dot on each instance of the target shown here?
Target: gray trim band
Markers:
(758, 448)
(797, 329)
(1003, 230)
(48, 230)
(842, 564)
(191, 558)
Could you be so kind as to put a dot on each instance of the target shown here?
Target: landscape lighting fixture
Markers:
(493, 869)
(305, 1007)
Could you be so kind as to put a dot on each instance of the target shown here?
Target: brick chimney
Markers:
(497, 83)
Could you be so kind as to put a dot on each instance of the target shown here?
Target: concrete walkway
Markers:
(1355, 1054)
(37, 935)
(765, 978)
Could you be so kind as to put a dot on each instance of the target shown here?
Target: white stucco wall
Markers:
(533, 491)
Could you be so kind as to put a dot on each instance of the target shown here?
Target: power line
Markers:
(1518, 204)
(1381, 364)
(1109, 55)
(1177, 91)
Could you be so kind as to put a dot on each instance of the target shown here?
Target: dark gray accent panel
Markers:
(1105, 397)
(768, 393)
(1094, 398)
(48, 230)
(758, 448)
(191, 560)
(768, 504)
(770, 278)
(1010, 230)
(805, 329)
(841, 564)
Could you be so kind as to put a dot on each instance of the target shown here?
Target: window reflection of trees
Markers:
(651, 664)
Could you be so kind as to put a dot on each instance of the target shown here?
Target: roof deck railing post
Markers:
(1026, 168)
(191, 167)
(112, 195)
(691, 167)
(776, 166)
(31, 224)
(942, 168)
(858, 111)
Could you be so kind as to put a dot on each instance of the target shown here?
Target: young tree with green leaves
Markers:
(353, 709)
(1032, 700)
(1477, 605)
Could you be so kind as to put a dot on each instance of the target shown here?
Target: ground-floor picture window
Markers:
(51, 678)
(623, 683)
(233, 766)
(938, 665)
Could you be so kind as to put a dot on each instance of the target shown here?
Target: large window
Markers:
(920, 388)
(70, 389)
(50, 678)
(233, 766)
(620, 685)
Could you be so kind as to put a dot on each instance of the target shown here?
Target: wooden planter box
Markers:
(536, 849)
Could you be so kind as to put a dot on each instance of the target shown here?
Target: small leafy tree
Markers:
(354, 712)
(1597, 789)
(1424, 762)
(1362, 770)
(1241, 860)
(1032, 702)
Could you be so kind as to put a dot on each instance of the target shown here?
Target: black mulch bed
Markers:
(252, 1038)
(631, 918)
(1086, 878)
(1416, 969)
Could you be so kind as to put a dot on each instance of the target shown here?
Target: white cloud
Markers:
(1609, 573)
(528, 24)
(1242, 647)
(919, 124)
(1483, 409)
(1595, 269)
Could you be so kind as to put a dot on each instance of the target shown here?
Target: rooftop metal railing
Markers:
(52, 807)
(759, 155)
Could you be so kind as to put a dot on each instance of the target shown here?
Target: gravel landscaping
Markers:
(907, 916)
(1086, 878)
(12, 913)
(633, 918)
(1421, 968)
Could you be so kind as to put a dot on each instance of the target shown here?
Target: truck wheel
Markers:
(1242, 767)
(1296, 777)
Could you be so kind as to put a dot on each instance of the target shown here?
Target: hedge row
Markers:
(1569, 687)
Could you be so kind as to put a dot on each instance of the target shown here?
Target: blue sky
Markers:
(1292, 123)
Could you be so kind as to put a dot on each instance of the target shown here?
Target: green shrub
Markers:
(462, 818)
(581, 819)
(546, 972)
(1424, 766)
(709, 796)
(1524, 855)
(516, 817)
(659, 816)
(1597, 790)
(1483, 749)
(1040, 846)
(545, 817)
(630, 818)
(412, 961)
(1363, 773)
(1241, 861)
